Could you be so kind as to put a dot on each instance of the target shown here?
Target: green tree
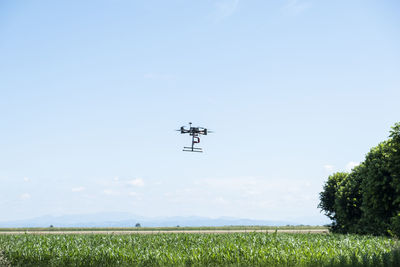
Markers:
(348, 200)
(368, 199)
(381, 186)
(378, 193)
(394, 167)
(328, 196)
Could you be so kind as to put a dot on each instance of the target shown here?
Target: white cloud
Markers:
(110, 192)
(238, 182)
(329, 168)
(78, 189)
(249, 190)
(136, 182)
(221, 200)
(116, 178)
(135, 195)
(225, 8)
(25, 196)
(295, 7)
(278, 198)
(351, 165)
(26, 179)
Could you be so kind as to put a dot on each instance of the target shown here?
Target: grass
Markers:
(179, 249)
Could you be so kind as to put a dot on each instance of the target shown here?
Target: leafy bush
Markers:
(368, 199)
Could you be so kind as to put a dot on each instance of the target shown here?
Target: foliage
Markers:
(378, 193)
(328, 195)
(348, 202)
(368, 199)
(395, 225)
(239, 249)
(394, 167)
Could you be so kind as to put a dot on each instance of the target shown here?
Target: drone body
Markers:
(195, 133)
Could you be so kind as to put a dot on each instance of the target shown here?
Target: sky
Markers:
(92, 91)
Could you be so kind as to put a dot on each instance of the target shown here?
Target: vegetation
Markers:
(155, 229)
(243, 249)
(367, 200)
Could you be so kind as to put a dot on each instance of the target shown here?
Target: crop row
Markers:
(244, 249)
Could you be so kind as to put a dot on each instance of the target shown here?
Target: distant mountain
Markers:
(120, 219)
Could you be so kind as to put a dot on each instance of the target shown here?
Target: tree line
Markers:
(367, 200)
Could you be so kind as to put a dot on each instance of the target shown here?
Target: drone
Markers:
(194, 132)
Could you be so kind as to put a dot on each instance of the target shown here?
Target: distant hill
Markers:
(118, 219)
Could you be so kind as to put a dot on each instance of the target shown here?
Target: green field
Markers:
(194, 249)
(206, 228)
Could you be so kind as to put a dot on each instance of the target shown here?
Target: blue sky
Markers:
(91, 91)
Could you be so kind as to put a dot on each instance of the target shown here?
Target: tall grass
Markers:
(243, 249)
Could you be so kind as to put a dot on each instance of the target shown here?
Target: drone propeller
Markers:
(181, 129)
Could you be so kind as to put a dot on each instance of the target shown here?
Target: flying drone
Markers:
(195, 133)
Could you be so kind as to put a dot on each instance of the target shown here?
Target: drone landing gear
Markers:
(192, 149)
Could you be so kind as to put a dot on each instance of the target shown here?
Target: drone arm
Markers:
(183, 130)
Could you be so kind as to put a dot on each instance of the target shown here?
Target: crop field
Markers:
(158, 230)
(195, 249)
(165, 229)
